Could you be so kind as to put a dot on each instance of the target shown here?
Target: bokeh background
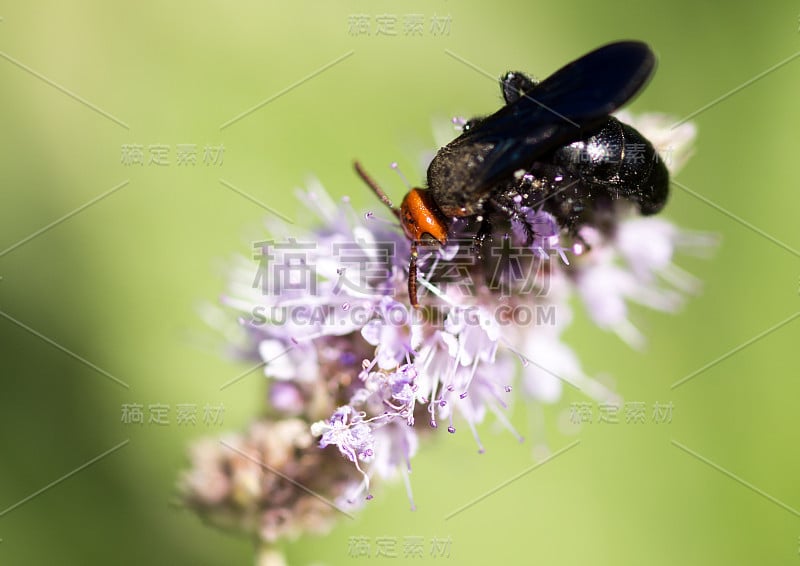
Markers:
(119, 283)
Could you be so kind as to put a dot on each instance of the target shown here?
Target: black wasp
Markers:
(553, 146)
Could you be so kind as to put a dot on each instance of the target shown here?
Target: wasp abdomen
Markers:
(621, 161)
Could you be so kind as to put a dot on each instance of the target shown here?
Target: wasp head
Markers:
(421, 218)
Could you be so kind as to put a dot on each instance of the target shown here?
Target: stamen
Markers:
(481, 449)
(397, 170)
(473, 371)
(409, 493)
(500, 416)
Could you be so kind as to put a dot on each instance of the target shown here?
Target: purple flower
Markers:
(369, 374)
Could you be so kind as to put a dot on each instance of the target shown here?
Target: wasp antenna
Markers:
(375, 188)
(396, 167)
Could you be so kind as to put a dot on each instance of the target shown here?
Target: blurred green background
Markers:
(119, 283)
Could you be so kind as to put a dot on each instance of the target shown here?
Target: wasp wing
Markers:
(559, 110)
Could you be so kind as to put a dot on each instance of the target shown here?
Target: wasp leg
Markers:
(482, 238)
(510, 209)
